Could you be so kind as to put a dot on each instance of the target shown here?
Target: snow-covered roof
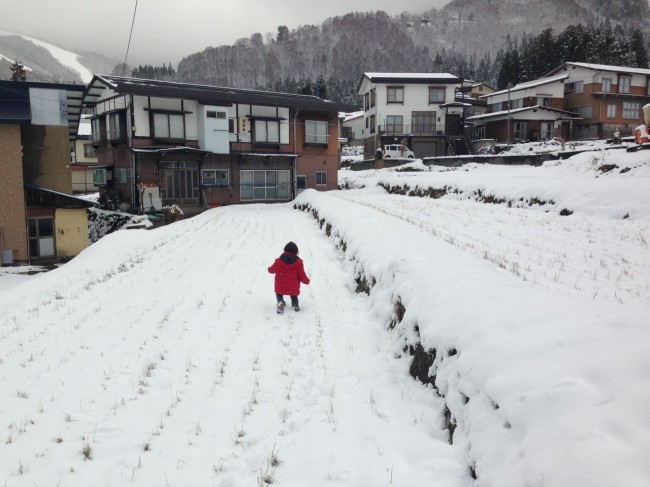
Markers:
(351, 116)
(410, 75)
(529, 84)
(606, 67)
(601, 67)
(520, 110)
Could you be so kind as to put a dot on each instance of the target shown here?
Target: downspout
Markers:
(294, 181)
(130, 130)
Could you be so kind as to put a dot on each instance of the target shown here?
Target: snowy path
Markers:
(603, 259)
(186, 376)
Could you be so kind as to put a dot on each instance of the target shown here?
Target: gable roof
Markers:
(206, 94)
(529, 84)
(409, 78)
(603, 67)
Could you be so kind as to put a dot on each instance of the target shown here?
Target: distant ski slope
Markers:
(66, 58)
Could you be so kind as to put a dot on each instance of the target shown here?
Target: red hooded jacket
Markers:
(289, 273)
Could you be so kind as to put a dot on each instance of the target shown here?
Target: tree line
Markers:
(328, 60)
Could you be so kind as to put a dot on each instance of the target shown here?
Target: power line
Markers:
(130, 35)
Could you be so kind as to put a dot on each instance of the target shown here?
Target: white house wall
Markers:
(580, 73)
(416, 99)
(141, 116)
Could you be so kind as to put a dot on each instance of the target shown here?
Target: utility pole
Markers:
(509, 88)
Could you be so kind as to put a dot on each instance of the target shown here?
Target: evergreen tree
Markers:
(18, 72)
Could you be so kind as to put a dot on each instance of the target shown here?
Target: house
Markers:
(161, 143)
(607, 98)
(83, 159)
(352, 128)
(532, 111)
(39, 219)
(418, 109)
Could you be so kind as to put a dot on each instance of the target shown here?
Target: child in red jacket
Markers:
(289, 273)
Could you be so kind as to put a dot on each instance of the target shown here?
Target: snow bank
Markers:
(542, 388)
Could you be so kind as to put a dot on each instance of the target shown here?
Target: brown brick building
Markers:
(160, 143)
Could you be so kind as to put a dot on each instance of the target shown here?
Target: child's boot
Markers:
(280, 307)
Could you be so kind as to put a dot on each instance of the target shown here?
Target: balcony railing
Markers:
(419, 129)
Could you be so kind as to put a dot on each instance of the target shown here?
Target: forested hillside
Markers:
(469, 38)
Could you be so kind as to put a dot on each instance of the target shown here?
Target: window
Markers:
(366, 101)
(544, 101)
(394, 124)
(546, 131)
(624, 83)
(321, 178)
(579, 87)
(89, 151)
(316, 132)
(497, 107)
(631, 110)
(267, 131)
(214, 177)
(264, 185)
(99, 177)
(301, 182)
(123, 175)
(395, 94)
(231, 125)
(436, 95)
(607, 85)
(96, 131)
(520, 130)
(372, 124)
(215, 114)
(168, 126)
(423, 122)
(372, 98)
(115, 128)
(611, 111)
(518, 103)
(585, 112)
(41, 237)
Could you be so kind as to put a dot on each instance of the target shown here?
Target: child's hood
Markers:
(289, 258)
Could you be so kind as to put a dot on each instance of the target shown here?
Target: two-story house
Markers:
(529, 111)
(418, 109)
(39, 218)
(607, 98)
(161, 143)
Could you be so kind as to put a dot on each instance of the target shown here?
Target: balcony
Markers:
(419, 129)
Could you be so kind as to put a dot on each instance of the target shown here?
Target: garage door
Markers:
(424, 148)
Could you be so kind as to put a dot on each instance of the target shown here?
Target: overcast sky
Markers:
(167, 30)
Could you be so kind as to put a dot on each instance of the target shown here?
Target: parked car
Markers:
(396, 151)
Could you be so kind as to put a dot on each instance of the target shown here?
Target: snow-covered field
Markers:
(156, 357)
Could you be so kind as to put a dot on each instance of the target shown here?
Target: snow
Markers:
(67, 58)
(160, 355)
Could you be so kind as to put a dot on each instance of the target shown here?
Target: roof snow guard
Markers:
(206, 94)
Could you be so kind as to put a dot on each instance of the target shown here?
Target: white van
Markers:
(395, 151)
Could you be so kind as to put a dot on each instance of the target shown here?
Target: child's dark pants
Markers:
(294, 300)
